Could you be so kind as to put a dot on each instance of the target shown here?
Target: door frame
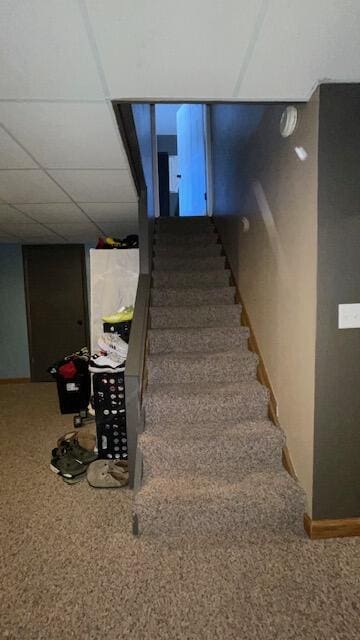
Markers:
(208, 155)
(25, 255)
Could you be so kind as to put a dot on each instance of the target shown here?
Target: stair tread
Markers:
(188, 390)
(258, 489)
(203, 429)
(195, 356)
(188, 297)
(205, 339)
(185, 263)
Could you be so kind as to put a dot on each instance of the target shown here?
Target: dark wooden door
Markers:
(164, 186)
(55, 284)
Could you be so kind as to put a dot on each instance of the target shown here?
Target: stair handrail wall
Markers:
(134, 369)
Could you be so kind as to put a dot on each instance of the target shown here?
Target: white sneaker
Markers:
(106, 364)
(112, 343)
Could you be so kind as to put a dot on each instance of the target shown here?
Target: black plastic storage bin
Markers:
(121, 328)
(74, 394)
(110, 415)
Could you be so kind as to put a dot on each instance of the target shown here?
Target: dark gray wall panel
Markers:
(337, 395)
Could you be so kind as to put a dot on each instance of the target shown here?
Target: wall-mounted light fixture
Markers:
(288, 121)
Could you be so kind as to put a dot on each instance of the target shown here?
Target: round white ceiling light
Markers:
(288, 122)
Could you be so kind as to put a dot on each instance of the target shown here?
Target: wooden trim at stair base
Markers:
(262, 374)
(287, 463)
(339, 528)
(14, 380)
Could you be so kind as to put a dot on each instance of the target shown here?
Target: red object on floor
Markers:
(68, 370)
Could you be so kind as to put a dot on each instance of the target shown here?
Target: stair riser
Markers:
(176, 279)
(187, 240)
(244, 516)
(176, 297)
(211, 250)
(189, 264)
(169, 317)
(220, 370)
(185, 230)
(216, 339)
(232, 463)
(193, 408)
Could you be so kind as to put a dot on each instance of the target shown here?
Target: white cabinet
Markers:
(114, 277)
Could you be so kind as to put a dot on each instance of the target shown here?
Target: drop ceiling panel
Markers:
(12, 156)
(313, 41)
(46, 52)
(77, 232)
(97, 186)
(66, 135)
(29, 186)
(111, 212)
(9, 214)
(53, 213)
(26, 231)
(192, 48)
(119, 229)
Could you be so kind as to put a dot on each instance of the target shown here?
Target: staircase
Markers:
(211, 458)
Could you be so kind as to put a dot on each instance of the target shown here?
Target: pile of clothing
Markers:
(69, 367)
(130, 242)
(112, 353)
(75, 458)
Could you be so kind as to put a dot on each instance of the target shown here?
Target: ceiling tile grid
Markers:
(62, 162)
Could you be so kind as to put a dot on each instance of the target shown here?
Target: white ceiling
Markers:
(63, 171)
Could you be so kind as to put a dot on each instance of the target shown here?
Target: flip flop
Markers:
(108, 474)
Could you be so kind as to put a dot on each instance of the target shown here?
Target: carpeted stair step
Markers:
(185, 230)
(223, 366)
(211, 263)
(186, 297)
(227, 315)
(172, 279)
(229, 453)
(167, 221)
(214, 431)
(192, 251)
(188, 239)
(197, 339)
(264, 504)
(178, 403)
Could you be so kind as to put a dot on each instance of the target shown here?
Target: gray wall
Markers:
(258, 175)
(167, 144)
(337, 394)
(232, 125)
(142, 119)
(14, 350)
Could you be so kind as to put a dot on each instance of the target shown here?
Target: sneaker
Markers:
(110, 342)
(122, 315)
(106, 364)
(64, 463)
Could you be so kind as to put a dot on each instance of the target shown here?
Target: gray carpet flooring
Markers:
(70, 566)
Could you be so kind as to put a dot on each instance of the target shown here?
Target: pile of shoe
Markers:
(124, 314)
(73, 454)
(113, 349)
(75, 458)
(130, 242)
(112, 355)
(70, 366)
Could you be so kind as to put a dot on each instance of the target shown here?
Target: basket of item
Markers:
(73, 384)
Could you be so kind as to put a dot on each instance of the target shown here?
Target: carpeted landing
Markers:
(70, 566)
